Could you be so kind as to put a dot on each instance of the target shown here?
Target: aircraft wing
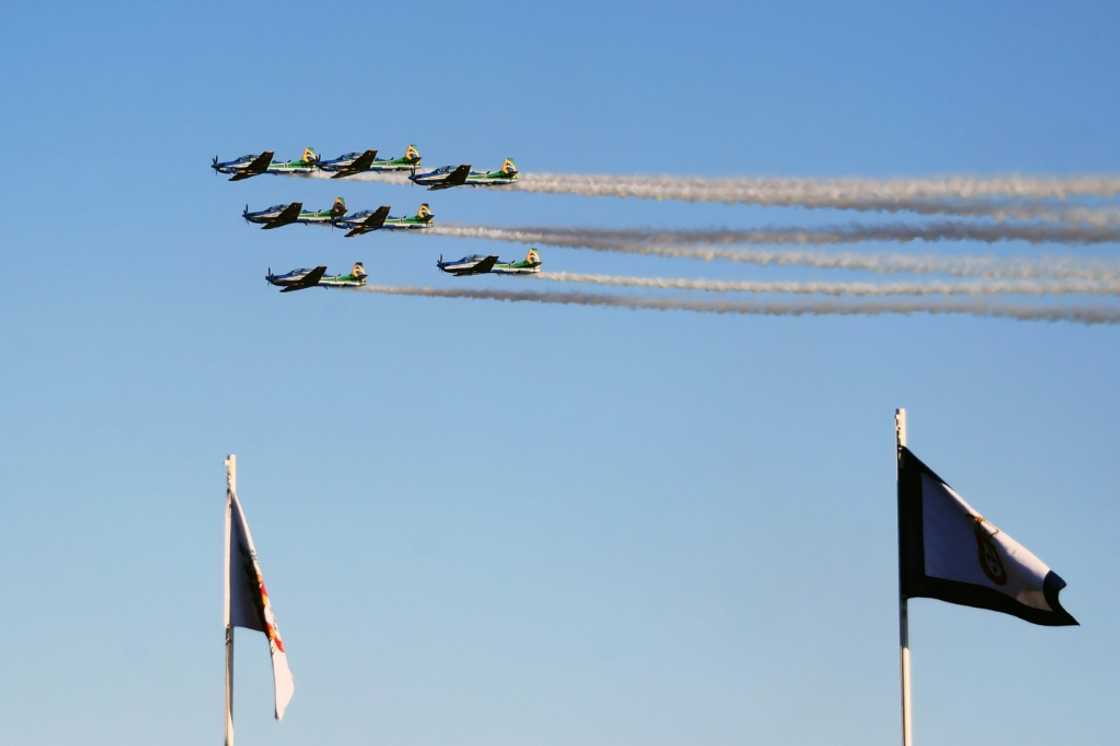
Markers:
(258, 166)
(361, 163)
(287, 216)
(375, 220)
(309, 280)
(484, 266)
(458, 177)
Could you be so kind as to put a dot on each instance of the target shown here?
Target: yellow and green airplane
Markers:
(446, 177)
(280, 215)
(372, 220)
(476, 264)
(351, 164)
(303, 278)
(255, 165)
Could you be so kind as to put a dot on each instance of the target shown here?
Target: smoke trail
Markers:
(1000, 197)
(379, 177)
(1082, 315)
(1022, 287)
(962, 266)
(1101, 216)
(827, 235)
(953, 195)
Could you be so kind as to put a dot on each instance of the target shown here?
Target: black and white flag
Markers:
(949, 551)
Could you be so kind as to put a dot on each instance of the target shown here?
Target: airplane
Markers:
(280, 215)
(306, 164)
(371, 220)
(480, 265)
(303, 278)
(531, 264)
(245, 166)
(468, 265)
(349, 164)
(446, 177)
(408, 162)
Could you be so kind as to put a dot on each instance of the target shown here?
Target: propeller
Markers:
(214, 164)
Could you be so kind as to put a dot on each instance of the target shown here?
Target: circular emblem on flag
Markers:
(988, 555)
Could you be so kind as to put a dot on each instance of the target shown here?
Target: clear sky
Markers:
(486, 524)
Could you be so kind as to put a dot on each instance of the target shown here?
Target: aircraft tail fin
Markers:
(533, 257)
(509, 168)
(359, 271)
(338, 209)
(309, 155)
(412, 155)
(424, 213)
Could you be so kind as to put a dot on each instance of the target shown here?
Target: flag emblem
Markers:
(990, 562)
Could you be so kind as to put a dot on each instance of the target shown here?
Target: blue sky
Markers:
(494, 524)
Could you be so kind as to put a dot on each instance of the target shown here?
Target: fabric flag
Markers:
(247, 603)
(949, 551)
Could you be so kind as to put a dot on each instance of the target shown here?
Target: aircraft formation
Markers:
(352, 164)
(366, 221)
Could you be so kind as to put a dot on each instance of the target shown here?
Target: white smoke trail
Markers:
(1033, 211)
(1019, 287)
(1082, 315)
(1100, 216)
(953, 195)
(961, 266)
(1001, 197)
(785, 235)
(378, 177)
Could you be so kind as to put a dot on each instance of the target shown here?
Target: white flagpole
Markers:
(231, 489)
(903, 616)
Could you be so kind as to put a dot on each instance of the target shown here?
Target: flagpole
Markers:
(903, 616)
(229, 686)
(231, 489)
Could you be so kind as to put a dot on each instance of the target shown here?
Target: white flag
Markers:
(247, 603)
(949, 551)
